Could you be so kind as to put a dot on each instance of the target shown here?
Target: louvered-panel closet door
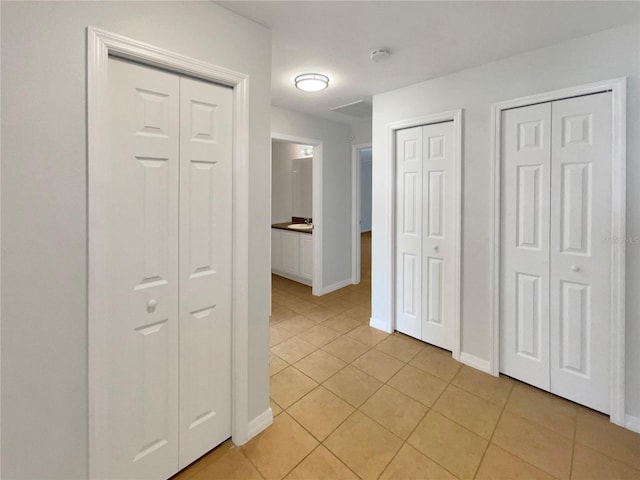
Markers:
(409, 231)
(138, 414)
(206, 118)
(525, 213)
(581, 249)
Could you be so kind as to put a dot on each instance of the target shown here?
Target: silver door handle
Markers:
(151, 305)
(575, 268)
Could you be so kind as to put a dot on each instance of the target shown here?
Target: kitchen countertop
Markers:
(285, 225)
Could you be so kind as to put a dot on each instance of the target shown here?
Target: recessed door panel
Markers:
(528, 322)
(139, 377)
(575, 204)
(410, 282)
(436, 204)
(435, 274)
(575, 328)
(205, 267)
(530, 200)
(409, 220)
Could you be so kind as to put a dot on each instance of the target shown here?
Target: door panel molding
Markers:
(388, 323)
(101, 45)
(618, 88)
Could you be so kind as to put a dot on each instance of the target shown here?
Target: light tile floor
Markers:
(352, 402)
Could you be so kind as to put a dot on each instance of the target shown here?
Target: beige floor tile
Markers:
(275, 408)
(359, 313)
(276, 364)
(379, 365)
(212, 457)
(232, 466)
(437, 362)
(450, 445)
(289, 385)
(300, 306)
(410, 464)
(595, 431)
(543, 408)
(353, 385)
(363, 445)
(499, 464)
(280, 313)
(345, 348)
(341, 324)
(320, 412)
(543, 448)
(293, 349)
(278, 334)
(399, 347)
(368, 335)
(280, 447)
(319, 314)
(319, 335)
(419, 385)
(591, 465)
(320, 365)
(494, 389)
(394, 410)
(297, 324)
(321, 464)
(478, 415)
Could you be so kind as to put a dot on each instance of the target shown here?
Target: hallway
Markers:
(351, 402)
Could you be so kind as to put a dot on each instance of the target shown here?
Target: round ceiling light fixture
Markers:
(312, 82)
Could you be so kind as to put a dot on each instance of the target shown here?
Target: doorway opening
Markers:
(362, 198)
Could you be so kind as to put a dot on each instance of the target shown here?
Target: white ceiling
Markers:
(426, 40)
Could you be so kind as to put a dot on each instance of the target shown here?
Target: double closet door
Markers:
(425, 238)
(166, 364)
(556, 253)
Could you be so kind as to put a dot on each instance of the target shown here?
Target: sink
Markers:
(300, 226)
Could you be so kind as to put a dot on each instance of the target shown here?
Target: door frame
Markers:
(618, 87)
(316, 199)
(100, 45)
(355, 210)
(457, 118)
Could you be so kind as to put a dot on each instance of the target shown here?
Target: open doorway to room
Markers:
(361, 213)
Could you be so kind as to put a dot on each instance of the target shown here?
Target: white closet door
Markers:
(205, 266)
(524, 315)
(580, 249)
(138, 418)
(438, 234)
(409, 232)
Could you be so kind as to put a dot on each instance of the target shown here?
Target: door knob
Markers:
(575, 268)
(151, 305)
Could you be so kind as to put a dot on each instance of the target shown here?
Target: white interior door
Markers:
(556, 255)
(140, 384)
(205, 266)
(409, 231)
(580, 250)
(526, 183)
(425, 215)
(438, 234)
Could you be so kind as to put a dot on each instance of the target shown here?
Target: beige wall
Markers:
(44, 209)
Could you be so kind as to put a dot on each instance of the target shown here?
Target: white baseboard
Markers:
(259, 423)
(295, 278)
(380, 324)
(475, 362)
(336, 286)
(632, 423)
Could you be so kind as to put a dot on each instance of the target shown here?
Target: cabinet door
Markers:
(291, 253)
(306, 256)
(276, 249)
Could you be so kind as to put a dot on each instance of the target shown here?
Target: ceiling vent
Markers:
(360, 109)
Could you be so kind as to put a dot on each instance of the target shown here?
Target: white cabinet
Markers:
(292, 255)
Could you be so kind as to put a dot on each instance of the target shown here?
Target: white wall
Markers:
(365, 190)
(609, 54)
(44, 209)
(361, 131)
(302, 187)
(336, 181)
(282, 153)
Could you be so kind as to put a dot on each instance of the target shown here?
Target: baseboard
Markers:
(632, 423)
(295, 278)
(336, 286)
(475, 362)
(379, 324)
(259, 423)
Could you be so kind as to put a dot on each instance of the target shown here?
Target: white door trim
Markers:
(316, 210)
(355, 210)
(618, 87)
(100, 45)
(456, 117)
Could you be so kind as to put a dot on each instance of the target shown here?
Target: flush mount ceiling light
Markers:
(312, 82)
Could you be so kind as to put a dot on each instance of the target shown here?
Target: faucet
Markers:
(307, 221)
